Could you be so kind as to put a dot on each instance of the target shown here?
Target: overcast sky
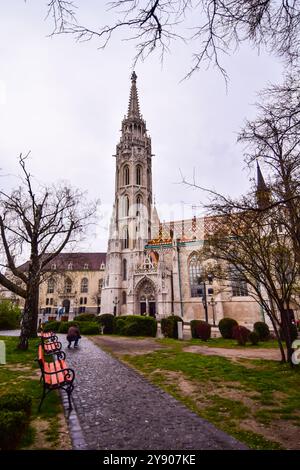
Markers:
(64, 101)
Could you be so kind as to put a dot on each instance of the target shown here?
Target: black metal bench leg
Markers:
(42, 399)
(69, 391)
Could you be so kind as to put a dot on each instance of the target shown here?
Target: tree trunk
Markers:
(286, 330)
(30, 314)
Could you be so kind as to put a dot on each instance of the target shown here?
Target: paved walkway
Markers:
(119, 409)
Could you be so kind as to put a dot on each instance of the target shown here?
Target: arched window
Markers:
(139, 202)
(68, 286)
(124, 270)
(84, 286)
(126, 206)
(125, 238)
(138, 175)
(50, 288)
(124, 299)
(126, 175)
(195, 276)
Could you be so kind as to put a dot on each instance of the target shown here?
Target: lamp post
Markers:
(204, 295)
(212, 302)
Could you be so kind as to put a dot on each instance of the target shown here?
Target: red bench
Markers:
(55, 375)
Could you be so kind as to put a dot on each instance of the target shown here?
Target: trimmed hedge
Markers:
(293, 333)
(226, 326)
(89, 317)
(135, 325)
(89, 328)
(241, 334)
(169, 326)
(51, 326)
(262, 329)
(65, 325)
(254, 338)
(106, 320)
(12, 427)
(18, 401)
(10, 315)
(200, 329)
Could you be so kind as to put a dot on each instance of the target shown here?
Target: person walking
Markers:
(73, 335)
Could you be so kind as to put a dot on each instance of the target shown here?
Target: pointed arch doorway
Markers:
(146, 298)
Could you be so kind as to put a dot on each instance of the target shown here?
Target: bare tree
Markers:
(251, 247)
(216, 26)
(39, 222)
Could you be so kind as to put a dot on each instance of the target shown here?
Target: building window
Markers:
(124, 269)
(50, 288)
(126, 206)
(124, 299)
(100, 285)
(83, 300)
(53, 267)
(126, 175)
(68, 286)
(195, 275)
(138, 175)
(81, 309)
(86, 266)
(84, 288)
(47, 301)
(238, 283)
(138, 205)
(70, 266)
(102, 267)
(48, 310)
(125, 240)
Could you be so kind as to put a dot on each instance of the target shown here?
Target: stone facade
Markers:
(152, 267)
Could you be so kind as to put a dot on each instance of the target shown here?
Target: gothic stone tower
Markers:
(130, 225)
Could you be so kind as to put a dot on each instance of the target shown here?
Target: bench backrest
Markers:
(41, 357)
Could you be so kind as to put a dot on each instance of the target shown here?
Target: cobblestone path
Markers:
(119, 409)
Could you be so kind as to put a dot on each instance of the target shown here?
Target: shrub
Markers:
(51, 326)
(241, 334)
(254, 338)
(10, 315)
(89, 317)
(293, 333)
(65, 325)
(12, 426)
(135, 325)
(262, 329)
(18, 401)
(106, 320)
(226, 326)
(169, 326)
(200, 329)
(89, 328)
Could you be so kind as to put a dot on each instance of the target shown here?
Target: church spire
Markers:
(262, 190)
(133, 108)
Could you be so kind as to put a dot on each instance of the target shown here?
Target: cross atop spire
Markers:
(133, 108)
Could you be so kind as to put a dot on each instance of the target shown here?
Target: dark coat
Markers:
(73, 333)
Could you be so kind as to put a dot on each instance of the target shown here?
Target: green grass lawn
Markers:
(21, 374)
(253, 400)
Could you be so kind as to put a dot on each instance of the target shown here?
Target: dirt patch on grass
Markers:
(41, 439)
(268, 354)
(122, 345)
(284, 433)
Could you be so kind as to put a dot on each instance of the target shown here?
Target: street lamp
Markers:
(204, 295)
(212, 302)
